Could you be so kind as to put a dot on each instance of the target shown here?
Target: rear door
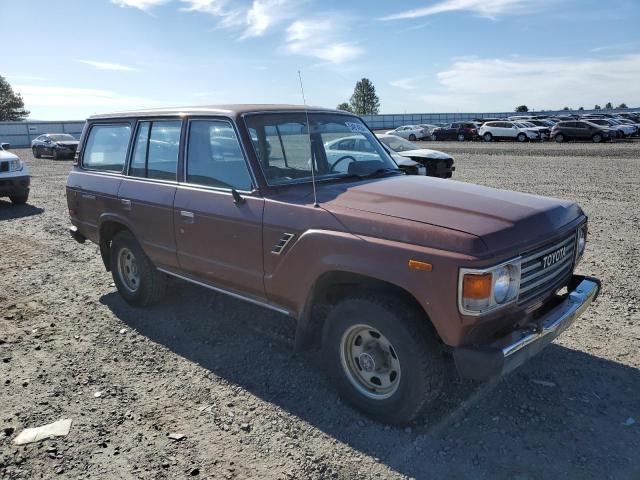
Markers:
(147, 192)
(92, 189)
(217, 211)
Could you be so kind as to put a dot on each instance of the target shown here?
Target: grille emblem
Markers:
(554, 257)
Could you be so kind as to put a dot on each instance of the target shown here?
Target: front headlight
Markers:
(15, 165)
(484, 290)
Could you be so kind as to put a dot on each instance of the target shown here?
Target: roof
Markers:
(227, 110)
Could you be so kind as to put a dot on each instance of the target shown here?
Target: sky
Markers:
(72, 58)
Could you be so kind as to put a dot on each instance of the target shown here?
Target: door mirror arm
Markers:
(237, 198)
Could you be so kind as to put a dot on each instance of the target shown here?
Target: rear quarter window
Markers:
(106, 148)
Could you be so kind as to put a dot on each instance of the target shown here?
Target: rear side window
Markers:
(155, 154)
(214, 156)
(106, 147)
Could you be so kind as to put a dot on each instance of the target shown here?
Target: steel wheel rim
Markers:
(128, 270)
(370, 362)
(461, 137)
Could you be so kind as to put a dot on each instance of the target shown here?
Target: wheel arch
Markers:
(109, 227)
(333, 286)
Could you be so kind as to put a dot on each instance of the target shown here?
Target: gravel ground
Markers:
(223, 373)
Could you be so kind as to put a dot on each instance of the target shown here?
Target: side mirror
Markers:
(5, 146)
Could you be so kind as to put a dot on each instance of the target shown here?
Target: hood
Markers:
(68, 142)
(502, 219)
(6, 156)
(425, 153)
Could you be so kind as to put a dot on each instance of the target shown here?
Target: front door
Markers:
(217, 212)
(146, 194)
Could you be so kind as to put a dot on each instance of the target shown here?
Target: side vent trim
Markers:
(282, 243)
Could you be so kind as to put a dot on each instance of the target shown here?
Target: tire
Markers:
(149, 285)
(412, 137)
(521, 137)
(36, 152)
(461, 137)
(54, 154)
(487, 137)
(559, 138)
(19, 199)
(597, 138)
(420, 370)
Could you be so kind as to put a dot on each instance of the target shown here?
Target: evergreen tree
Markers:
(11, 103)
(344, 106)
(522, 108)
(364, 100)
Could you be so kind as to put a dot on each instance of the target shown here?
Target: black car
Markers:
(56, 145)
(460, 131)
(580, 130)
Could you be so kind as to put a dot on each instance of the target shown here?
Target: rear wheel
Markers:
(19, 199)
(597, 138)
(487, 137)
(521, 137)
(383, 358)
(461, 137)
(559, 138)
(36, 152)
(412, 137)
(137, 279)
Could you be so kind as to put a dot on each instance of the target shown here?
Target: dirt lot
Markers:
(66, 335)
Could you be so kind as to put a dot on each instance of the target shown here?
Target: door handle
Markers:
(126, 204)
(186, 216)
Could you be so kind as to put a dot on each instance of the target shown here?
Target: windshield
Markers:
(398, 144)
(340, 145)
(62, 137)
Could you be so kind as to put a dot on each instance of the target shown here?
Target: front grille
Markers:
(4, 166)
(536, 279)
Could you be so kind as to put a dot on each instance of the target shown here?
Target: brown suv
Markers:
(389, 274)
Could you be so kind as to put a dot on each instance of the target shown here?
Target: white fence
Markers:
(20, 134)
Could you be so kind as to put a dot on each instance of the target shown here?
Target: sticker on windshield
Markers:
(356, 127)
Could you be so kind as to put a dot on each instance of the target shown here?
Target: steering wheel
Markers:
(341, 159)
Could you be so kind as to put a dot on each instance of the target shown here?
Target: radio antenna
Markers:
(306, 113)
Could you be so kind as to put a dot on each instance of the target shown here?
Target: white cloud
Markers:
(404, 83)
(144, 5)
(485, 8)
(107, 66)
(319, 39)
(501, 84)
(89, 98)
(255, 19)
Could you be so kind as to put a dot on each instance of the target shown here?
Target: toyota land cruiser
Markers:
(387, 273)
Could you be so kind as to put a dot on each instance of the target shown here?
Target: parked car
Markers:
(460, 131)
(606, 124)
(624, 128)
(504, 130)
(411, 132)
(544, 130)
(14, 176)
(386, 273)
(438, 164)
(428, 128)
(580, 130)
(55, 145)
(358, 148)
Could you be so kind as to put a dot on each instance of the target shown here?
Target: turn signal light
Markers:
(476, 287)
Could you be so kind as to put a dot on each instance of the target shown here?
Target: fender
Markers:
(318, 252)
(115, 218)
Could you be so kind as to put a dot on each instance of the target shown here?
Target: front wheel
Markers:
(412, 137)
(136, 278)
(487, 137)
(559, 138)
(461, 137)
(521, 137)
(597, 138)
(36, 152)
(19, 199)
(384, 359)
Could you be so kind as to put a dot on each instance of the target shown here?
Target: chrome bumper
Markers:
(508, 353)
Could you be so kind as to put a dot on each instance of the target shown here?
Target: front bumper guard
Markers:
(508, 353)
